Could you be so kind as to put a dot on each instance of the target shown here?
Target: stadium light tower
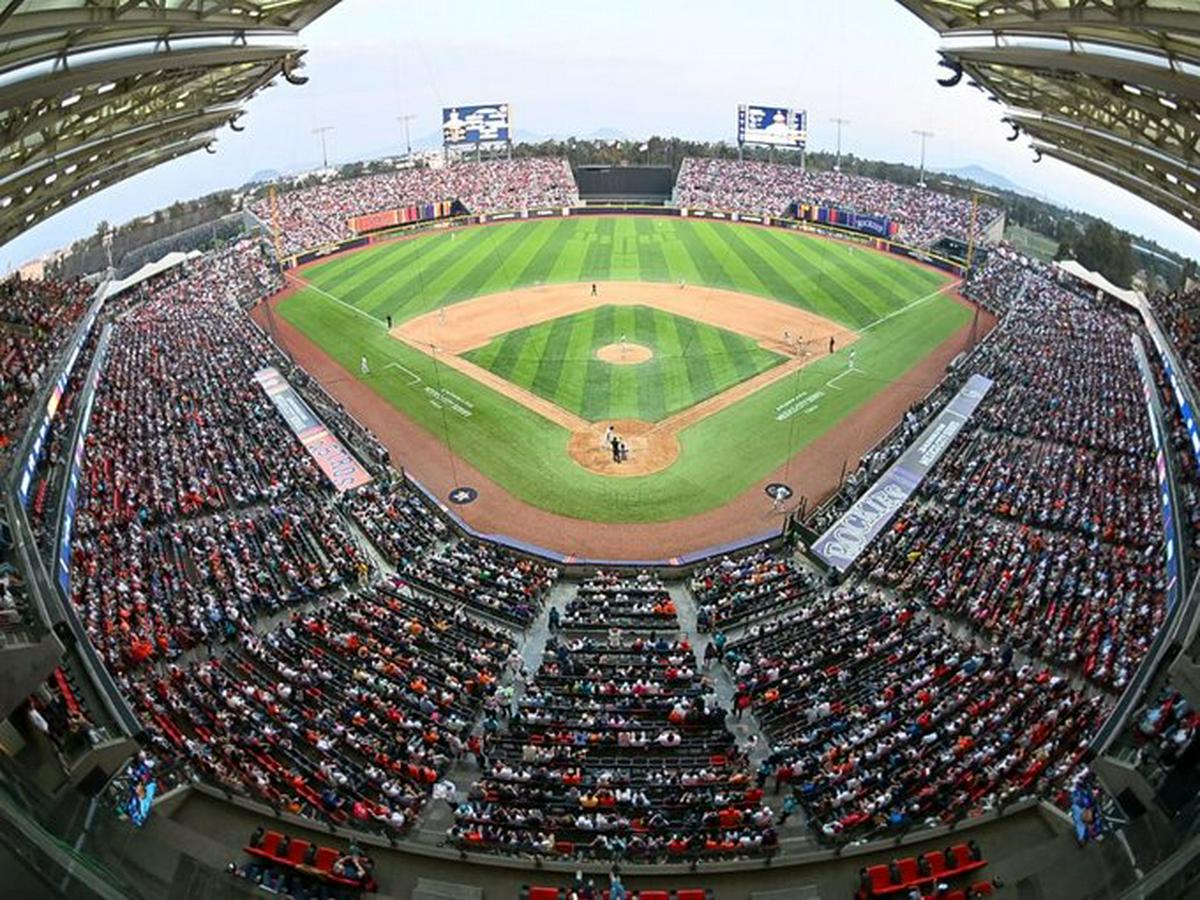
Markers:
(839, 121)
(322, 131)
(924, 135)
(404, 120)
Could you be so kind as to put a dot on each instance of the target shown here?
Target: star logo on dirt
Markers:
(463, 495)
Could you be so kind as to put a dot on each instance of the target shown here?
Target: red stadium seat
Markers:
(325, 858)
(543, 893)
(296, 852)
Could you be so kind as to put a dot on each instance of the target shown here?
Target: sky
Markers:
(671, 67)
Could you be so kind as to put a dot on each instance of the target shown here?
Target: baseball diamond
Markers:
(759, 342)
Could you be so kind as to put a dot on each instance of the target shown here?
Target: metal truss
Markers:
(1112, 86)
(93, 91)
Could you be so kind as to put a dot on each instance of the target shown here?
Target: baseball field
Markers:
(715, 351)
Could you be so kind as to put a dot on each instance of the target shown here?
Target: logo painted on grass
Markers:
(444, 397)
(803, 404)
(461, 496)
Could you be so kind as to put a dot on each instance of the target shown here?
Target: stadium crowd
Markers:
(36, 319)
(1039, 529)
(347, 713)
(1178, 312)
(772, 189)
(881, 719)
(316, 215)
(617, 749)
(1041, 522)
(332, 691)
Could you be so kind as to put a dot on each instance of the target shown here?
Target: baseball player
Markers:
(363, 367)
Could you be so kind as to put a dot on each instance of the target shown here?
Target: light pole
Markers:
(404, 120)
(924, 135)
(322, 131)
(839, 121)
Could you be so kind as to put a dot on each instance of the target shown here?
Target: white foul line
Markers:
(338, 300)
(907, 307)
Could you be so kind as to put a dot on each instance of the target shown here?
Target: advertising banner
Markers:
(340, 466)
(405, 215)
(850, 535)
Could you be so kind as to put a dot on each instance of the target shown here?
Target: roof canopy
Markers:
(1110, 86)
(94, 91)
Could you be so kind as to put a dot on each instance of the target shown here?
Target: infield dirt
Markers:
(797, 334)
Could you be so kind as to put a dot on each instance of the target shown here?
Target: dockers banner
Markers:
(339, 464)
(850, 535)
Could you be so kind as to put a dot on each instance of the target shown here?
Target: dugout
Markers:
(624, 184)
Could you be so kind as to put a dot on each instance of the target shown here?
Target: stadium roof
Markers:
(94, 91)
(1110, 86)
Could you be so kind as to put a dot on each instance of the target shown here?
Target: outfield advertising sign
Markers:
(850, 535)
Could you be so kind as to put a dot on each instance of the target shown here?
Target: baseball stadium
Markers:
(599, 517)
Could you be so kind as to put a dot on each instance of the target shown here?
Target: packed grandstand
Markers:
(336, 657)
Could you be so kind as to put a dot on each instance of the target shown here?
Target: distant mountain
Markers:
(988, 178)
(263, 176)
(603, 134)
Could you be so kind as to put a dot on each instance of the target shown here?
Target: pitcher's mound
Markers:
(624, 354)
(650, 449)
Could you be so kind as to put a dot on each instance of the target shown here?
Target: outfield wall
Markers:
(947, 264)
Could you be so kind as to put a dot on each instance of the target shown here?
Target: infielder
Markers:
(363, 367)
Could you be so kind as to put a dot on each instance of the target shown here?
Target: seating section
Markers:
(880, 718)
(1178, 312)
(395, 520)
(610, 600)
(771, 189)
(485, 577)
(150, 594)
(316, 215)
(36, 319)
(731, 592)
(351, 870)
(922, 872)
(1166, 728)
(347, 714)
(198, 509)
(1041, 524)
(616, 750)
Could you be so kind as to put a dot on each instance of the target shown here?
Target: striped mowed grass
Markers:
(557, 360)
(894, 305)
(406, 278)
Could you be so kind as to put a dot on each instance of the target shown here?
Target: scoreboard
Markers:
(772, 126)
(482, 125)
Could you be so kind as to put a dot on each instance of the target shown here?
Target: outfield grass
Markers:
(893, 303)
(692, 361)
